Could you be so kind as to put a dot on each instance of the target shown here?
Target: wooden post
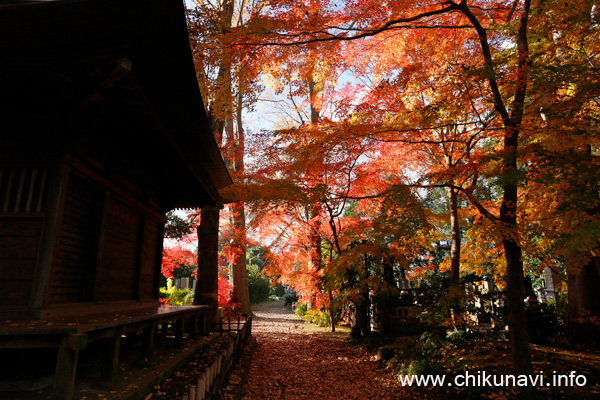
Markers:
(213, 373)
(141, 239)
(179, 332)
(193, 324)
(207, 287)
(49, 239)
(201, 387)
(219, 367)
(202, 327)
(158, 260)
(164, 327)
(66, 365)
(100, 249)
(110, 361)
(148, 342)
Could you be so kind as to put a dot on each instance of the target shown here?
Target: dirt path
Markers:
(289, 363)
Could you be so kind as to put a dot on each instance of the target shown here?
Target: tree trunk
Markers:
(331, 311)
(316, 257)
(239, 281)
(515, 286)
(582, 281)
(583, 290)
(517, 323)
(584, 301)
(456, 240)
(314, 224)
(364, 304)
(362, 315)
(239, 278)
(207, 286)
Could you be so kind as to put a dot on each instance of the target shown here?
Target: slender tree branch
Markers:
(489, 62)
(392, 24)
(522, 68)
(512, 10)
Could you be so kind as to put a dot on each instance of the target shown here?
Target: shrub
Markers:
(386, 353)
(171, 296)
(290, 299)
(355, 335)
(419, 367)
(376, 340)
(300, 309)
(258, 285)
(426, 347)
(462, 336)
(544, 322)
(308, 315)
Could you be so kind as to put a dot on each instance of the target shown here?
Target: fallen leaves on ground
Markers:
(289, 363)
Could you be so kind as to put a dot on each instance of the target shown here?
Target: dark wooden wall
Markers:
(151, 256)
(22, 206)
(121, 246)
(108, 240)
(74, 269)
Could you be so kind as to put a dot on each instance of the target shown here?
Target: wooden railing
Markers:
(208, 386)
(229, 325)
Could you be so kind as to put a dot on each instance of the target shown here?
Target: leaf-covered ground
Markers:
(291, 363)
(294, 361)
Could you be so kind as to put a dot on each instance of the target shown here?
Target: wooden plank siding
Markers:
(22, 202)
(22, 190)
(120, 253)
(19, 244)
(74, 269)
(100, 247)
(154, 233)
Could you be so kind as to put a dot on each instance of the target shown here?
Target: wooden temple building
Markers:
(102, 131)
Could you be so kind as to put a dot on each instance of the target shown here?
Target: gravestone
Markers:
(548, 291)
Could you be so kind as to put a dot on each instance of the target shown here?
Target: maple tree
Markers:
(179, 260)
(176, 257)
(359, 25)
(227, 86)
(568, 106)
(493, 102)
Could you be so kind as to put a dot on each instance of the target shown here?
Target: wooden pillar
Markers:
(207, 285)
(49, 240)
(179, 326)
(110, 361)
(158, 261)
(66, 365)
(100, 249)
(164, 327)
(202, 321)
(148, 342)
(193, 324)
(139, 256)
